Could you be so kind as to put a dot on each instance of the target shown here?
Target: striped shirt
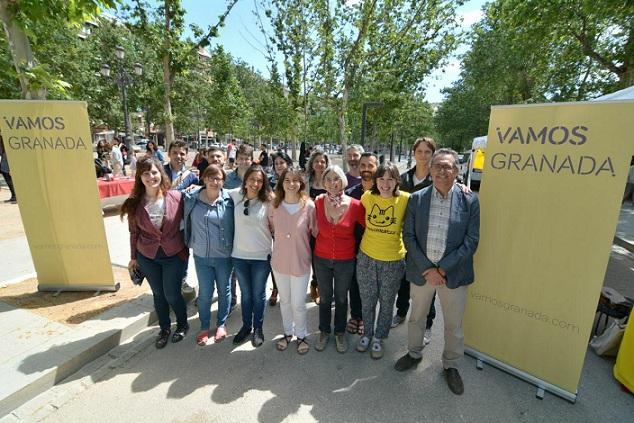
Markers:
(439, 210)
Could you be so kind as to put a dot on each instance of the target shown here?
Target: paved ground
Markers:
(186, 383)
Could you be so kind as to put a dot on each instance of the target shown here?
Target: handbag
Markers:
(608, 343)
(136, 275)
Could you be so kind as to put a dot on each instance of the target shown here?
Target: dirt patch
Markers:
(71, 308)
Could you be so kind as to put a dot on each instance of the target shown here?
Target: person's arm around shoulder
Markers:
(410, 239)
(311, 212)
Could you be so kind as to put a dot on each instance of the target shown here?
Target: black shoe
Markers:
(454, 381)
(241, 335)
(161, 341)
(258, 338)
(180, 333)
(406, 362)
(11, 200)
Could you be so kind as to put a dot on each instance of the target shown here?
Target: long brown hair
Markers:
(264, 194)
(280, 194)
(144, 164)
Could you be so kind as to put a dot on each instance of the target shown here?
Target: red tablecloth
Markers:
(119, 186)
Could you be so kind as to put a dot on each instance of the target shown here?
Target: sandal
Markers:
(361, 328)
(352, 326)
(302, 346)
(283, 342)
(202, 338)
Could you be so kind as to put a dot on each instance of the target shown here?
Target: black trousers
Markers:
(402, 304)
(9, 180)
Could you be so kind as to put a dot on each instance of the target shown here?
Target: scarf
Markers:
(336, 199)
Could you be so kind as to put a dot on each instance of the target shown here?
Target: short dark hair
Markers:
(282, 155)
(369, 154)
(178, 144)
(427, 140)
(391, 169)
(215, 148)
(245, 150)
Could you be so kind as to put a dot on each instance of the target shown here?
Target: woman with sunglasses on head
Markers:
(292, 218)
(156, 243)
(209, 232)
(381, 257)
(252, 250)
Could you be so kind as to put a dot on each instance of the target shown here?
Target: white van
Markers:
(476, 162)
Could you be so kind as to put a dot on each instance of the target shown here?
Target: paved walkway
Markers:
(37, 353)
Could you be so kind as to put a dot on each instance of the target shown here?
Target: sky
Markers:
(242, 38)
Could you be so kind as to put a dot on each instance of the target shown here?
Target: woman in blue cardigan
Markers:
(209, 230)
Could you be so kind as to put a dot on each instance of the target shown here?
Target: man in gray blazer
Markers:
(441, 233)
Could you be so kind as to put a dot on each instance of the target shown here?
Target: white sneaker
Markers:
(427, 336)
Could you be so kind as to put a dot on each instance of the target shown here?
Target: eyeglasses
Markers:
(246, 207)
(439, 167)
(214, 179)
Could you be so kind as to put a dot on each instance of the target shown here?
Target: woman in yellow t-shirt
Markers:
(381, 258)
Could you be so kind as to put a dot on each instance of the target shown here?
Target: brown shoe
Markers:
(454, 381)
(273, 298)
(314, 294)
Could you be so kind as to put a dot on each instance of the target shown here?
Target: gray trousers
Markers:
(378, 282)
(452, 302)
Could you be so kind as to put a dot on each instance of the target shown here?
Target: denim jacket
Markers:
(227, 227)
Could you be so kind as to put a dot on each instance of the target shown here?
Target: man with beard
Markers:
(353, 157)
(367, 165)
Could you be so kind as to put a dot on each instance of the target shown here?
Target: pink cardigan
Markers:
(291, 246)
(146, 239)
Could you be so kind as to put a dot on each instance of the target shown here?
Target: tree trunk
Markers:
(167, 82)
(21, 52)
(341, 121)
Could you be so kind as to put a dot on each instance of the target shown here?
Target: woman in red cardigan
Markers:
(334, 256)
(156, 243)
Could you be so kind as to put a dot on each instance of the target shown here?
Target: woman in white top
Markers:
(292, 218)
(252, 250)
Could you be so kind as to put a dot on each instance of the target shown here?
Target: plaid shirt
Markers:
(439, 210)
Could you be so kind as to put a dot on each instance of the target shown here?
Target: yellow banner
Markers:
(49, 148)
(550, 201)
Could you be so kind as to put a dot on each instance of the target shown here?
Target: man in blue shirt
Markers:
(181, 177)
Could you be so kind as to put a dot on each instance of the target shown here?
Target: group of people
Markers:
(364, 236)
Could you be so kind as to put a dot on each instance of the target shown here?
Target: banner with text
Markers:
(551, 195)
(49, 147)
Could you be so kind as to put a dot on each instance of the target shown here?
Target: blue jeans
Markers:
(165, 276)
(333, 277)
(252, 277)
(210, 270)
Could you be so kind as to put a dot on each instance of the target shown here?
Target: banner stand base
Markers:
(61, 288)
(541, 385)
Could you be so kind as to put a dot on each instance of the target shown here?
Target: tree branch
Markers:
(213, 30)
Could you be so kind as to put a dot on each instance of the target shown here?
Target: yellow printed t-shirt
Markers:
(383, 237)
